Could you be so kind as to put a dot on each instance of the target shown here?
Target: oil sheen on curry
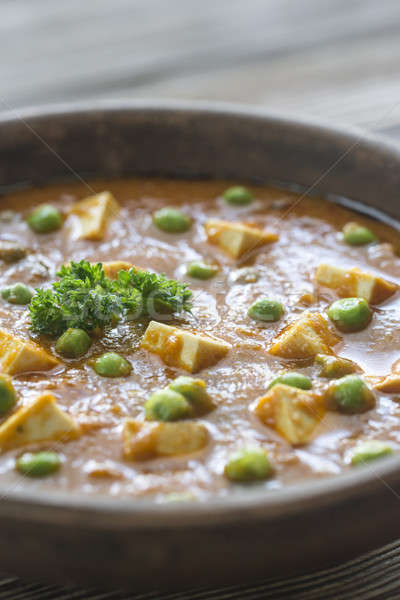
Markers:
(178, 340)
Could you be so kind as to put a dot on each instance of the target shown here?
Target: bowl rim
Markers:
(259, 503)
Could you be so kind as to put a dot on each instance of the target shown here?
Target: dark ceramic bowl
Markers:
(144, 545)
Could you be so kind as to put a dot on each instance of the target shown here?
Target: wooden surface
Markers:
(374, 576)
(334, 59)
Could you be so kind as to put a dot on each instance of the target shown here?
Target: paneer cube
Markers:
(389, 385)
(237, 239)
(292, 412)
(188, 350)
(41, 421)
(306, 337)
(21, 356)
(111, 269)
(94, 214)
(349, 283)
(142, 441)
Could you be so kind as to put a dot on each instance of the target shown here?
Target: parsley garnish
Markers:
(85, 298)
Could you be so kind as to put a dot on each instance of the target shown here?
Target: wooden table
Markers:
(338, 60)
(374, 576)
(335, 59)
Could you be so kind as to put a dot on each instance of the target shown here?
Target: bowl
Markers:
(140, 544)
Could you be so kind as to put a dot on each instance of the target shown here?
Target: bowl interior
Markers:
(202, 141)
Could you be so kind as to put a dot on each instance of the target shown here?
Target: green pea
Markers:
(112, 364)
(200, 270)
(368, 451)
(8, 396)
(297, 380)
(333, 367)
(266, 310)
(167, 405)
(358, 235)
(194, 390)
(238, 195)
(159, 305)
(45, 218)
(172, 220)
(38, 464)
(248, 465)
(73, 343)
(17, 294)
(350, 314)
(350, 395)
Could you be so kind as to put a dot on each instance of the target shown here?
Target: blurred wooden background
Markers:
(335, 59)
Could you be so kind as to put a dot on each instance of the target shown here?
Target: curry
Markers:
(183, 339)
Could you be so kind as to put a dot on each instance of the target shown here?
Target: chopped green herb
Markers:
(84, 298)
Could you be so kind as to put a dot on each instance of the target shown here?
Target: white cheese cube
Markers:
(41, 421)
(292, 412)
(237, 239)
(94, 214)
(142, 441)
(349, 283)
(188, 350)
(306, 337)
(21, 356)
